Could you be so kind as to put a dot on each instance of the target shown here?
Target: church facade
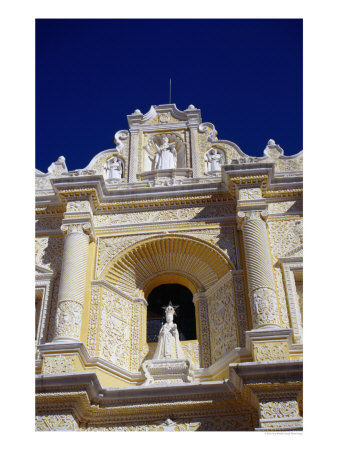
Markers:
(169, 284)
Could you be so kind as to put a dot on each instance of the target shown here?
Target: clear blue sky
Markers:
(245, 76)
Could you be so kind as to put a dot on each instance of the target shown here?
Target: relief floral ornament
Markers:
(279, 410)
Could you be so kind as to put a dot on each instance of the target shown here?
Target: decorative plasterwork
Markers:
(285, 236)
(56, 422)
(289, 269)
(173, 253)
(48, 253)
(212, 212)
(270, 351)
(58, 364)
(222, 320)
(115, 329)
(126, 199)
(167, 425)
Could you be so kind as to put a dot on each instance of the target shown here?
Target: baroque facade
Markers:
(170, 204)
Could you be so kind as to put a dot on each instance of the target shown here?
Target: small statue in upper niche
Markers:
(114, 168)
(214, 159)
(166, 156)
(169, 346)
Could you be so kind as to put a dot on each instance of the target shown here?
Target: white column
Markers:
(262, 294)
(195, 152)
(133, 155)
(72, 282)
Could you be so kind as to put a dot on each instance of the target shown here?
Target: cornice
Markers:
(262, 174)
(267, 372)
(136, 395)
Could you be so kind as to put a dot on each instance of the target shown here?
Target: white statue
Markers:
(169, 346)
(166, 155)
(58, 167)
(114, 168)
(214, 160)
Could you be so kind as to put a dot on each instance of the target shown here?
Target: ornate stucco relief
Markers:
(222, 317)
(61, 422)
(285, 235)
(52, 310)
(43, 223)
(78, 206)
(58, 364)
(135, 337)
(240, 302)
(289, 165)
(165, 215)
(43, 183)
(68, 320)
(250, 193)
(93, 320)
(270, 351)
(48, 253)
(279, 410)
(115, 329)
(292, 206)
(167, 425)
(192, 351)
(284, 315)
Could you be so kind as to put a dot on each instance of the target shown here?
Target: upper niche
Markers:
(114, 168)
(164, 151)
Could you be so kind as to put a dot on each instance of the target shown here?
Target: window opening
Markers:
(185, 313)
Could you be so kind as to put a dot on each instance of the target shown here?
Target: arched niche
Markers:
(150, 151)
(169, 259)
(214, 158)
(114, 168)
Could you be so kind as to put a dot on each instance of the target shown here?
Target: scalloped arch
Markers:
(179, 255)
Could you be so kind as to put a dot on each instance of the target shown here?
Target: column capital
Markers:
(245, 216)
(79, 228)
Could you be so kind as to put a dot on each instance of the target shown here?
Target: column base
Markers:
(269, 343)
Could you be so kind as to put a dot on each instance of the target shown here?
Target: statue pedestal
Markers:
(162, 371)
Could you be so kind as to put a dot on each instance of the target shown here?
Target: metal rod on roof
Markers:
(169, 90)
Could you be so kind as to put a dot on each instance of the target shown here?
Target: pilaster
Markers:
(203, 333)
(133, 155)
(194, 151)
(274, 388)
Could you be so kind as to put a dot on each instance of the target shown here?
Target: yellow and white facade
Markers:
(226, 226)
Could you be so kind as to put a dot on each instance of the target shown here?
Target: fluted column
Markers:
(262, 294)
(72, 282)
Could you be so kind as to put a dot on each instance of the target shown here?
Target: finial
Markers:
(191, 107)
(137, 111)
(271, 142)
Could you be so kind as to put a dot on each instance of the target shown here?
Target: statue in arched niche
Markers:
(169, 345)
(166, 156)
(214, 159)
(114, 168)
